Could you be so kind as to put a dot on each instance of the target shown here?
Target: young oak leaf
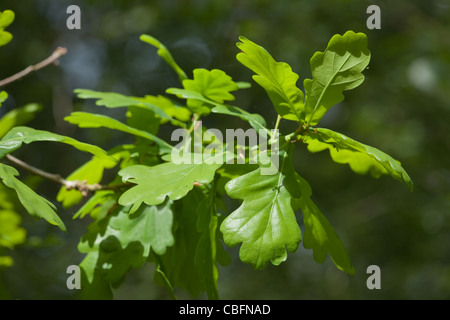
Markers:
(11, 233)
(33, 203)
(214, 85)
(3, 97)
(335, 70)
(18, 117)
(265, 223)
(254, 119)
(6, 18)
(361, 158)
(164, 53)
(19, 135)
(319, 235)
(116, 100)
(277, 79)
(154, 184)
(120, 242)
(91, 120)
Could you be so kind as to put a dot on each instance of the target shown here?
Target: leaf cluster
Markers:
(173, 215)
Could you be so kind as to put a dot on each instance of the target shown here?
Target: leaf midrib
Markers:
(338, 70)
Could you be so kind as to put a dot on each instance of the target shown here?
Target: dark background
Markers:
(402, 108)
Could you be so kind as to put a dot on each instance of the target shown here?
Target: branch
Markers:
(81, 186)
(59, 52)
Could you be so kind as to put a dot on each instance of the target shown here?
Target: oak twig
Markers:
(81, 186)
(59, 52)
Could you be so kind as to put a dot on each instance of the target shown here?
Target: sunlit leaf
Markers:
(154, 184)
(3, 97)
(18, 135)
(116, 100)
(255, 120)
(33, 203)
(361, 158)
(18, 117)
(165, 54)
(90, 120)
(335, 70)
(277, 78)
(120, 242)
(6, 18)
(265, 223)
(11, 234)
(319, 235)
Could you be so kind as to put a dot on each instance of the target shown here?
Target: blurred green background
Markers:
(402, 108)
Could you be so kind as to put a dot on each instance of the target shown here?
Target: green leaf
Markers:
(165, 54)
(265, 223)
(255, 120)
(98, 205)
(18, 117)
(116, 100)
(91, 172)
(319, 235)
(33, 203)
(277, 78)
(361, 158)
(359, 162)
(3, 97)
(214, 85)
(188, 263)
(11, 234)
(121, 241)
(6, 261)
(6, 18)
(90, 120)
(334, 71)
(209, 248)
(18, 135)
(154, 184)
(169, 107)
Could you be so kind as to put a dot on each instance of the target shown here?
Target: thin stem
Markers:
(59, 52)
(161, 270)
(278, 122)
(194, 120)
(81, 186)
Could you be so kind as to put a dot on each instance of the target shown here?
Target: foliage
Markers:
(158, 211)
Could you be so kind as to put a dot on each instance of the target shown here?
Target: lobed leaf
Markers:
(265, 223)
(319, 235)
(116, 100)
(18, 117)
(189, 262)
(19, 135)
(165, 54)
(33, 203)
(254, 119)
(277, 79)
(90, 120)
(120, 242)
(335, 70)
(214, 85)
(361, 158)
(154, 184)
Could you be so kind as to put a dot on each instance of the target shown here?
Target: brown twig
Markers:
(59, 52)
(81, 186)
